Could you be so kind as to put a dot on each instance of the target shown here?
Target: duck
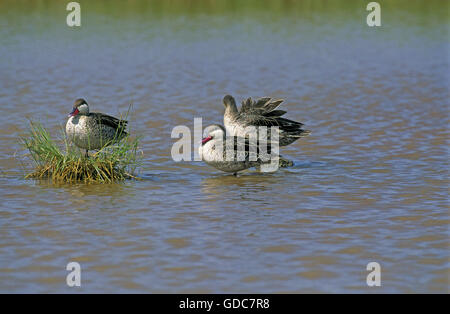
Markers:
(93, 130)
(261, 113)
(242, 154)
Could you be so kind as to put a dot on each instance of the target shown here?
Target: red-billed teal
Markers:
(213, 151)
(260, 113)
(93, 130)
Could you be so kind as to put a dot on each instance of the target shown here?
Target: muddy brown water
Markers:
(369, 184)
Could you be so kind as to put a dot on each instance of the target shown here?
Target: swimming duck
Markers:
(261, 113)
(93, 130)
(242, 153)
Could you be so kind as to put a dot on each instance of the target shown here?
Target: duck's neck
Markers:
(231, 111)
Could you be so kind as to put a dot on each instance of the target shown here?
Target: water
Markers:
(369, 184)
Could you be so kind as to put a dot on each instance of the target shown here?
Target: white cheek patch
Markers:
(83, 109)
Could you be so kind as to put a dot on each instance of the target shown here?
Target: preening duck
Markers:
(261, 112)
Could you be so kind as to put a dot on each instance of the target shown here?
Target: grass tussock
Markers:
(66, 163)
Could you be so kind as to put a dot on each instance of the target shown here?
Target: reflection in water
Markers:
(252, 187)
(369, 184)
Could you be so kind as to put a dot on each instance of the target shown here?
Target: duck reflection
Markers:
(81, 196)
(247, 186)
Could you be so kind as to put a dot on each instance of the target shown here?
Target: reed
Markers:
(63, 162)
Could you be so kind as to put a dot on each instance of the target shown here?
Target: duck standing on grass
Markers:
(93, 130)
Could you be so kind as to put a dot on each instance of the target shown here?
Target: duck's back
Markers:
(95, 130)
(262, 113)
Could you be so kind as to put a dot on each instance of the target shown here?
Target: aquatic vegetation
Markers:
(64, 162)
